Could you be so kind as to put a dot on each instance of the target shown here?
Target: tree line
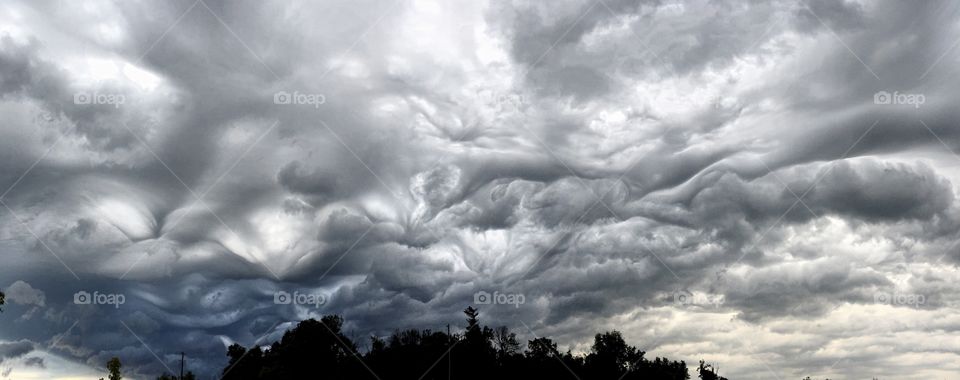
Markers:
(320, 349)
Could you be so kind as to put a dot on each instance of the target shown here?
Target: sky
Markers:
(769, 185)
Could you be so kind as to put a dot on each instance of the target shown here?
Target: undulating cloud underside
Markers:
(715, 179)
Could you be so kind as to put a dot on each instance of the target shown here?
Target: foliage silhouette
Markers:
(320, 349)
(187, 376)
(113, 369)
(707, 372)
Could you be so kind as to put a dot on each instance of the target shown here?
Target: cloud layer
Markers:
(770, 186)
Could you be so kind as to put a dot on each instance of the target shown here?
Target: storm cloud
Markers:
(767, 185)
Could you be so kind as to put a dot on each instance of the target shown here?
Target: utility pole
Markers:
(181, 365)
(449, 359)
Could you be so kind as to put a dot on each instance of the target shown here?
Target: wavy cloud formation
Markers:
(751, 183)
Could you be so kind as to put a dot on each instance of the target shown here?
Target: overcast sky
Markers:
(766, 185)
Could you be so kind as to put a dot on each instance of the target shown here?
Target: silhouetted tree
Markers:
(505, 342)
(243, 365)
(542, 356)
(319, 349)
(611, 356)
(113, 368)
(475, 356)
(707, 373)
(474, 333)
(309, 347)
(2, 300)
(541, 348)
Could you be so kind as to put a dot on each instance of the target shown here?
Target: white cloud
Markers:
(596, 159)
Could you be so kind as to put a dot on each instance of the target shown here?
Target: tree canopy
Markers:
(320, 349)
(114, 368)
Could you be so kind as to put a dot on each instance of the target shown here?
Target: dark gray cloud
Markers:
(628, 165)
(34, 361)
(10, 350)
